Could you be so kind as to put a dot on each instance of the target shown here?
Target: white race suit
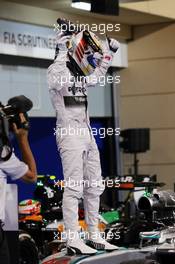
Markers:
(78, 150)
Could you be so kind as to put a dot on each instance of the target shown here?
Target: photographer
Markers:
(15, 169)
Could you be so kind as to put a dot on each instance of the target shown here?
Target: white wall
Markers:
(32, 82)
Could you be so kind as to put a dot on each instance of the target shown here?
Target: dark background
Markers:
(43, 145)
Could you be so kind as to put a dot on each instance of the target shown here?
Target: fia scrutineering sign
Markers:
(33, 41)
(26, 40)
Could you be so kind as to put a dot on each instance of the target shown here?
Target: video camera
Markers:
(9, 114)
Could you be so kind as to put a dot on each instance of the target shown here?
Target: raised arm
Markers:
(27, 156)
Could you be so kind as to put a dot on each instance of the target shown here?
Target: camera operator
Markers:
(14, 168)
